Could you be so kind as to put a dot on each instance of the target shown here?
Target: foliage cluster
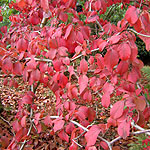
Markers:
(85, 60)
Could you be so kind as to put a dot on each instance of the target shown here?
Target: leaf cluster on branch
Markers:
(50, 43)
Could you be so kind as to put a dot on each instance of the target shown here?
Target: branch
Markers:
(31, 123)
(45, 18)
(85, 129)
(94, 50)
(40, 59)
(144, 35)
(139, 128)
(29, 131)
(99, 25)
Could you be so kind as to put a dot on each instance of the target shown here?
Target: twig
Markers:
(79, 125)
(31, 123)
(94, 50)
(139, 128)
(29, 131)
(40, 59)
(144, 35)
(133, 133)
(99, 25)
(141, 132)
(77, 143)
(5, 120)
(115, 140)
(90, 6)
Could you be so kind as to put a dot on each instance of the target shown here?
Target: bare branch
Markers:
(40, 59)
(31, 123)
(144, 35)
(139, 128)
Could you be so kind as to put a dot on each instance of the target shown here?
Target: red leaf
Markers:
(62, 134)
(104, 145)
(132, 14)
(108, 88)
(35, 75)
(79, 37)
(48, 121)
(73, 146)
(21, 3)
(117, 109)
(85, 30)
(83, 83)
(68, 31)
(92, 134)
(43, 67)
(3, 29)
(37, 118)
(122, 67)
(22, 45)
(71, 71)
(39, 127)
(57, 65)
(102, 44)
(1, 18)
(109, 62)
(106, 100)
(17, 68)
(91, 114)
(53, 43)
(92, 148)
(45, 5)
(22, 132)
(69, 128)
(62, 51)
(111, 122)
(124, 51)
(51, 53)
(115, 39)
(23, 121)
(70, 106)
(63, 16)
(124, 129)
(63, 80)
(58, 124)
(32, 64)
(16, 126)
(140, 103)
(83, 66)
(7, 64)
(27, 99)
(133, 75)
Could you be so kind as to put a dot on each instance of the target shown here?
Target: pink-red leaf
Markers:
(117, 109)
(23, 121)
(83, 66)
(27, 99)
(106, 100)
(124, 51)
(92, 134)
(48, 121)
(124, 129)
(109, 62)
(58, 124)
(45, 5)
(62, 134)
(83, 83)
(132, 14)
(62, 51)
(68, 31)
